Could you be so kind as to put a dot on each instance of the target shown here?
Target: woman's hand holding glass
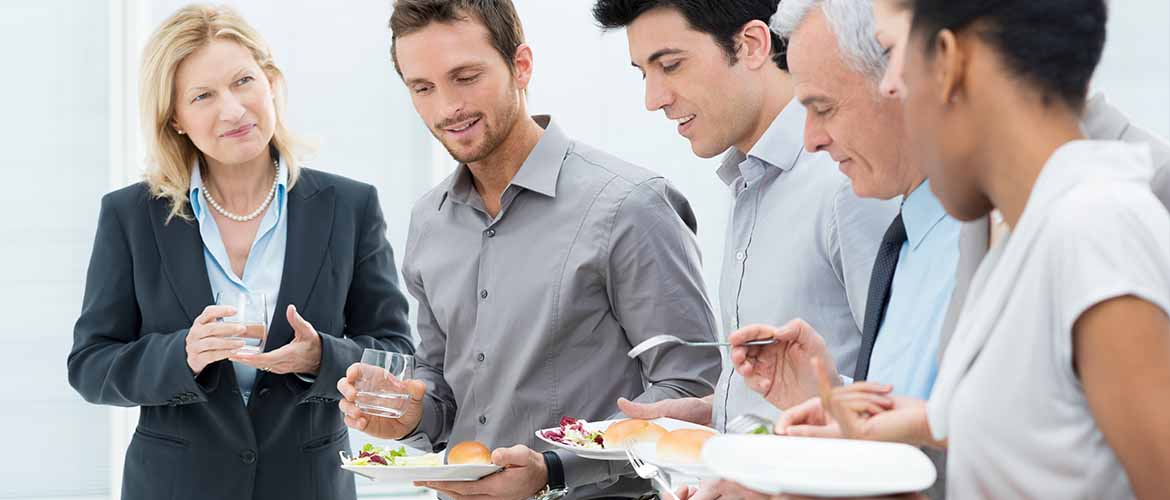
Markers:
(209, 340)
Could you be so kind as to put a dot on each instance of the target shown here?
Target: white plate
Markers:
(649, 453)
(819, 467)
(409, 473)
(617, 455)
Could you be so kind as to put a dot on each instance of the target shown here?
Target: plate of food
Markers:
(819, 466)
(466, 461)
(608, 439)
(678, 451)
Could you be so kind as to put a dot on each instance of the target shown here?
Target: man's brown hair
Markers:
(498, 16)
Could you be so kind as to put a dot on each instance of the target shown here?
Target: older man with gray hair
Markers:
(836, 66)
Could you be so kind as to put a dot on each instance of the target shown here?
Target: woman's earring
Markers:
(180, 132)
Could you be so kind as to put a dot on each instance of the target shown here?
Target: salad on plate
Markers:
(572, 432)
(374, 455)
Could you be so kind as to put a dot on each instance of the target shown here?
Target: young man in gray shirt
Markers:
(537, 265)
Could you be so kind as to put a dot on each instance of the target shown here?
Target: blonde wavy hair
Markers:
(170, 155)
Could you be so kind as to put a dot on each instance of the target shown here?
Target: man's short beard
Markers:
(493, 137)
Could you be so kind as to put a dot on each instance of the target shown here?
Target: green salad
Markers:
(374, 455)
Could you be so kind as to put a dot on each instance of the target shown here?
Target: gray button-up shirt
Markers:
(527, 317)
(800, 245)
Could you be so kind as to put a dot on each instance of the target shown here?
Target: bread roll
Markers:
(682, 446)
(627, 432)
(469, 452)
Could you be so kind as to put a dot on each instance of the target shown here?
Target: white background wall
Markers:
(68, 103)
(54, 168)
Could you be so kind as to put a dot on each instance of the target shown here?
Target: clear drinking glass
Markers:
(381, 384)
(252, 312)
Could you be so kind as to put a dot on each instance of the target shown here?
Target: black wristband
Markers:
(556, 470)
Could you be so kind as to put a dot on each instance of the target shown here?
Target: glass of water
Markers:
(252, 312)
(381, 386)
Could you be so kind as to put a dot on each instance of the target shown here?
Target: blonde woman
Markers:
(226, 208)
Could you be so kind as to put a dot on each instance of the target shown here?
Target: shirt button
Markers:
(483, 294)
(491, 233)
(248, 457)
(740, 255)
(482, 419)
(480, 357)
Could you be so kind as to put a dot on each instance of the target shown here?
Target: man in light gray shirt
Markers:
(800, 242)
(537, 265)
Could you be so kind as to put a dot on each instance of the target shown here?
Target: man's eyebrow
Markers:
(658, 55)
(663, 53)
(814, 99)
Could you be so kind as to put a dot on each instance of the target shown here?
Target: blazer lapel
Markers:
(181, 251)
(310, 226)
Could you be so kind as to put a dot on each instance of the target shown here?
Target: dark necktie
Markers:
(879, 292)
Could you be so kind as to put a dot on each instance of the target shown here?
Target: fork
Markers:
(658, 340)
(648, 471)
(747, 424)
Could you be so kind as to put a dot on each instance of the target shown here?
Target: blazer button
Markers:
(248, 457)
(482, 419)
(263, 392)
(480, 357)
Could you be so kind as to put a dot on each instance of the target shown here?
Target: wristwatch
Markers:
(555, 488)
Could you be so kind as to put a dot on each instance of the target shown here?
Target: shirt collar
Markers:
(1082, 161)
(538, 173)
(1102, 120)
(197, 185)
(780, 146)
(921, 213)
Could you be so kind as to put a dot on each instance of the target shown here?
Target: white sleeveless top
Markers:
(1007, 397)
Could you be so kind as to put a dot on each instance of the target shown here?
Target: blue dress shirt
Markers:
(265, 266)
(905, 353)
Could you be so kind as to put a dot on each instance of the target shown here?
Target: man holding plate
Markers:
(800, 242)
(537, 265)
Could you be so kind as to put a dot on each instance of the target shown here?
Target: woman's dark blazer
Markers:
(196, 439)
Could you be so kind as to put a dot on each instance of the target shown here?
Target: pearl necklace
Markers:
(255, 213)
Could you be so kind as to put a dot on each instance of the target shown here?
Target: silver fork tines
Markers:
(648, 471)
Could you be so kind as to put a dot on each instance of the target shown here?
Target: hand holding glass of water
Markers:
(381, 388)
(252, 312)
